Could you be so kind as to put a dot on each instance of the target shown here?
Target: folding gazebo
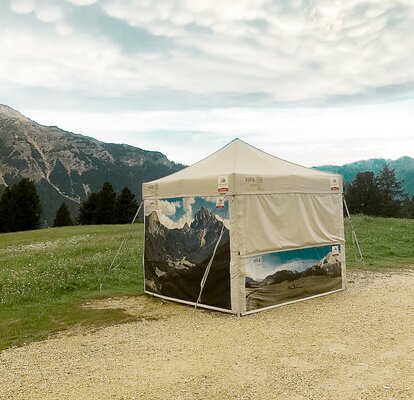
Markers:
(242, 231)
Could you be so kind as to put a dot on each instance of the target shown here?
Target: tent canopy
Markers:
(242, 169)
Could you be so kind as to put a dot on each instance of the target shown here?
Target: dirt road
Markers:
(357, 344)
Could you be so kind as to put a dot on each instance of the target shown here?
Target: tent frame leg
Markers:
(354, 235)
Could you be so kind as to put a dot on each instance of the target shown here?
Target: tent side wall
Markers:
(181, 235)
(290, 247)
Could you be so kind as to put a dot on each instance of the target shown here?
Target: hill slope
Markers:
(404, 169)
(66, 166)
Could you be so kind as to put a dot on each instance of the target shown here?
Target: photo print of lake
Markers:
(180, 237)
(276, 278)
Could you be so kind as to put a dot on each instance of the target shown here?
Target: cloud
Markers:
(22, 6)
(289, 52)
(82, 2)
(63, 29)
(167, 207)
(165, 210)
(49, 13)
(310, 51)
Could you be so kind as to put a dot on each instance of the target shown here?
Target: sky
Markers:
(311, 81)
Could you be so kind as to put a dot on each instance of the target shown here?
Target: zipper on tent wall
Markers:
(354, 235)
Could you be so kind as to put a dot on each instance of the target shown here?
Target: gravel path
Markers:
(357, 344)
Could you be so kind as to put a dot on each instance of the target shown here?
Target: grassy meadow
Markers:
(46, 275)
(385, 242)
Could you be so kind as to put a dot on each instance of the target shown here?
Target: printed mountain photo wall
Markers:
(277, 278)
(180, 237)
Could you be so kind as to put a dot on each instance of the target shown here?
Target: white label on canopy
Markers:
(334, 184)
(220, 202)
(223, 183)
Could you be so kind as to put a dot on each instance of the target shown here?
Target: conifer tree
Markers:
(391, 192)
(125, 207)
(7, 212)
(20, 207)
(88, 209)
(362, 194)
(63, 217)
(105, 204)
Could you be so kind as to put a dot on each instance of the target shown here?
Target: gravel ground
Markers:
(357, 344)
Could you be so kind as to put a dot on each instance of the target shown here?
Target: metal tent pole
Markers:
(354, 235)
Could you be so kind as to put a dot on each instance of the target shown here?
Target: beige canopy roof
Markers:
(239, 168)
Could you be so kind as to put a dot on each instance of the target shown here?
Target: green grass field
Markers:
(385, 242)
(46, 275)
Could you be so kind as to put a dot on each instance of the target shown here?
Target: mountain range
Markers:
(403, 166)
(66, 167)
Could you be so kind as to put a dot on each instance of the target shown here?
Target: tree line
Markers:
(20, 208)
(379, 195)
(106, 207)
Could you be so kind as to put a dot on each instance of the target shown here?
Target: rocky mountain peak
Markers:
(8, 112)
(153, 223)
(203, 218)
(66, 166)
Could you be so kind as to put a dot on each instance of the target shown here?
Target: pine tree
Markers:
(125, 207)
(20, 207)
(363, 195)
(88, 210)
(27, 203)
(105, 204)
(7, 212)
(391, 191)
(63, 217)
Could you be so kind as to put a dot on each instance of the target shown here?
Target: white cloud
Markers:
(186, 218)
(327, 48)
(82, 2)
(22, 6)
(69, 63)
(167, 207)
(49, 13)
(314, 51)
(63, 29)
